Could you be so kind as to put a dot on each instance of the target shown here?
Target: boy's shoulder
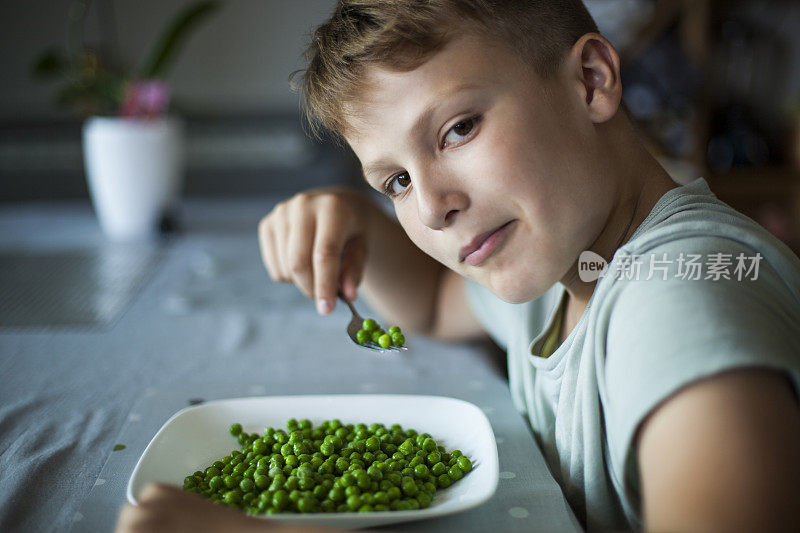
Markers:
(691, 235)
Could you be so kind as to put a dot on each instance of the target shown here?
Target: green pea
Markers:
(393, 493)
(353, 502)
(394, 477)
(421, 471)
(363, 336)
(336, 494)
(409, 487)
(292, 482)
(369, 325)
(235, 429)
(455, 473)
(401, 505)
(259, 446)
(444, 481)
(327, 506)
(433, 458)
(385, 341)
(216, 483)
(300, 449)
(363, 481)
(327, 448)
(246, 484)
(398, 339)
(406, 448)
(377, 334)
(280, 499)
(464, 464)
(375, 473)
(232, 498)
(394, 329)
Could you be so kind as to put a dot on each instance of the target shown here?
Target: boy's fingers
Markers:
(299, 249)
(354, 257)
(266, 243)
(327, 259)
(280, 232)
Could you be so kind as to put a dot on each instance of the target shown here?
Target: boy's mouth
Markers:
(483, 245)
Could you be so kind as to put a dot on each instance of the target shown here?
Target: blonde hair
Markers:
(400, 35)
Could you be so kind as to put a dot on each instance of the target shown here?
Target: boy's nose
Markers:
(438, 204)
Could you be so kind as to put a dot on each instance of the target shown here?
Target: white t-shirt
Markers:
(643, 337)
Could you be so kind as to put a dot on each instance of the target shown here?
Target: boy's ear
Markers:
(595, 66)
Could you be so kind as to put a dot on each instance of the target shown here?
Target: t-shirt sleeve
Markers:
(662, 335)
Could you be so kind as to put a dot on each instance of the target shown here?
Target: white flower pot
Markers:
(134, 168)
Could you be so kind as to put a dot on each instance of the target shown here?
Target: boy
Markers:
(662, 395)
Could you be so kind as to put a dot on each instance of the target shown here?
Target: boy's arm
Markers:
(723, 455)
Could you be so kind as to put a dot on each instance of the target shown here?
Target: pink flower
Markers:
(145, 99)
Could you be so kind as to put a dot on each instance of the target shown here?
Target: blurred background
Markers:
(713, 85)
(228, 83)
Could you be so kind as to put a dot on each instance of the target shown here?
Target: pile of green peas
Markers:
(371, 331)
(329, 468)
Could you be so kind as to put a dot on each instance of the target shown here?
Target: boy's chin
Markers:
(516, 292)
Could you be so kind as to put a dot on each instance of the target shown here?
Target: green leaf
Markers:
(166, 47)
(49, 63)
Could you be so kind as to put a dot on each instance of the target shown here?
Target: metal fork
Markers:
(355, 325)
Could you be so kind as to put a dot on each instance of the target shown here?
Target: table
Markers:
(198, 319)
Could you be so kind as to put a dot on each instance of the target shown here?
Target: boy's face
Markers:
(503, 161)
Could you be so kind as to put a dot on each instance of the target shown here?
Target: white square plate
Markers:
(197, 436)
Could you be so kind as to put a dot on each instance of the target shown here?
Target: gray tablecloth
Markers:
(205, 322)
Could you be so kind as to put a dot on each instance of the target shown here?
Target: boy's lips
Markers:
(483, 245)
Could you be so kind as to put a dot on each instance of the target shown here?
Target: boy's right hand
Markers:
(317, 240)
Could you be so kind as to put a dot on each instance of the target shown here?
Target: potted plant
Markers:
(133, 150)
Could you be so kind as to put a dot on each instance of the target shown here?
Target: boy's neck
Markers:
(640, 181)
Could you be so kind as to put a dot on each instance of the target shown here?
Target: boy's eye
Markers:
(459, 132)
(398, 184)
